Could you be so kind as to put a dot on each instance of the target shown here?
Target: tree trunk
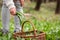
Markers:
(38, 4)
(58, 7)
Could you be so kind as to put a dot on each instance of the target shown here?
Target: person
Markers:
(11, 7)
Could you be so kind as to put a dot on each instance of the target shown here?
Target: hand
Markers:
(13, 11)
(21, 2)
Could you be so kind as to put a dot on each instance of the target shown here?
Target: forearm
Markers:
(22, 2)
(9, 3)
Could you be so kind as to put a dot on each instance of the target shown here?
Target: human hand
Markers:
(13, 11)
(21, 2)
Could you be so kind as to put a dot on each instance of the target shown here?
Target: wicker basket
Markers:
(22, 34)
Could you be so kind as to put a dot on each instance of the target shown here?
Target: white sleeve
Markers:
(9, 3)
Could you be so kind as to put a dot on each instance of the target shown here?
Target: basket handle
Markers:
(17, 13)
(31, 24)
